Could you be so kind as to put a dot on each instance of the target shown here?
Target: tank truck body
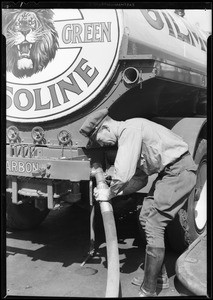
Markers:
(63, 64)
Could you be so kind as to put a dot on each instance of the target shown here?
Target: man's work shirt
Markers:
(144, 148)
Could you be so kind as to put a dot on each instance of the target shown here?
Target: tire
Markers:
(24, 216)
(190, 222)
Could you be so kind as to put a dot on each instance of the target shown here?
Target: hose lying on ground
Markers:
(113, 273)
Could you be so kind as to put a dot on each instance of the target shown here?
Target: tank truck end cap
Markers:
(93, 123)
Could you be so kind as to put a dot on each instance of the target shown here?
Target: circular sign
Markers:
(57, 60)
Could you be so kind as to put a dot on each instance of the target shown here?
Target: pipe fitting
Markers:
(131, 75)
(98, 173)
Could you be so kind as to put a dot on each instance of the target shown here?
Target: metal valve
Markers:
(64, 137)
(37, 134)
(12, 133)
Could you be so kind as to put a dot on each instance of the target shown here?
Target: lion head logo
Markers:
(31, 40)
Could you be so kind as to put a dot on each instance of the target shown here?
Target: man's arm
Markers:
(126, 162)
(137, 182)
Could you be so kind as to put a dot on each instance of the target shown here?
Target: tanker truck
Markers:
(62, 65)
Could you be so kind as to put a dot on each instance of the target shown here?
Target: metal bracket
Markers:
(91, 251)
(14, 190)
(50, 203)
(141, 78)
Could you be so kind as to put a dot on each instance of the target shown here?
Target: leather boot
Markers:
(162, 280)
(153, 263)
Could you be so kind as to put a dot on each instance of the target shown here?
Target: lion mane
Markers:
(31, 40)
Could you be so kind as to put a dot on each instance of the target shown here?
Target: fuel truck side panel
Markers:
(63, 64)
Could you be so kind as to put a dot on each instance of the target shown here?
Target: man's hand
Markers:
(102, 194)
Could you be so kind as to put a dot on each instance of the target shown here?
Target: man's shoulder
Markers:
(134, 122)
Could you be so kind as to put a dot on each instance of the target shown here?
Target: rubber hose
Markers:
(113, 273)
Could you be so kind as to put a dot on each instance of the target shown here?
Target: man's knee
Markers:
(143, 217)
(145, 210)
(154, 229)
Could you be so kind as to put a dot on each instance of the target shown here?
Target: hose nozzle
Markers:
(98, 173)
(101, 184)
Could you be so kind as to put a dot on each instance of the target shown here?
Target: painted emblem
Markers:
(57, 60)
(32, 41)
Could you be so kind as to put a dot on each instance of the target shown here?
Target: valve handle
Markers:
(39, 172)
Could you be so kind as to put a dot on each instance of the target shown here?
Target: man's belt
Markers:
(178, 159)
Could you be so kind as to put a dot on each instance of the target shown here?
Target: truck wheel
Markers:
(190, 222)
(23, 216)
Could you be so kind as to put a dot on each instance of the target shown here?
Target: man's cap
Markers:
(93, 123)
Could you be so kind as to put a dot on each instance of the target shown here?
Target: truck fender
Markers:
(190, 130)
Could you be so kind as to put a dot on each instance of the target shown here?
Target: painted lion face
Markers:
(31, 40)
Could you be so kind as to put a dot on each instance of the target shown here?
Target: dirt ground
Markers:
(47, 261)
